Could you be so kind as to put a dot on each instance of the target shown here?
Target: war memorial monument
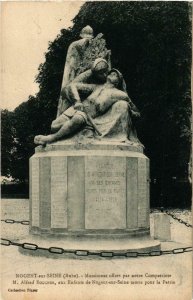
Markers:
(89, 178)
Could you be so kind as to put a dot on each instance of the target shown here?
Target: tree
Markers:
(27, 121)
(7, 142)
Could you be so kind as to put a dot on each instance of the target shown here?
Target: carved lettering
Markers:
(105, 191)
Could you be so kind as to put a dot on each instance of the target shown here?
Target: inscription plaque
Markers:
(59, 192)
(76, 209)
(45, 193)
(35, 192)
(132, 200)
(148, 194)
(105, 192)
(142, 193)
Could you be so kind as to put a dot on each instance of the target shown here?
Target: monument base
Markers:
(90, 196)
(96, 188)
(89, 248)
(107, 234)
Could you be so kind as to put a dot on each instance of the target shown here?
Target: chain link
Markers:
(105, 254)
(10, 221)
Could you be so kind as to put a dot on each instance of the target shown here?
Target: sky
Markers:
(27, 27)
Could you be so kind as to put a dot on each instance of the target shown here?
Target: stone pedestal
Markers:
(162, 230)
(98, 190)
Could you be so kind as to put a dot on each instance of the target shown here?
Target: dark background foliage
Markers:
(151, 46)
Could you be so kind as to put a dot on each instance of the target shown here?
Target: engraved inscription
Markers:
(148, 187)
(105, 193)
(142, 193)
(35, 191)
(58, 192)
(45, 194)
(132, 195)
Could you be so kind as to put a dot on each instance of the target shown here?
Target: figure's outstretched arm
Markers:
(120, 95)
(79, 84)
(74, 89)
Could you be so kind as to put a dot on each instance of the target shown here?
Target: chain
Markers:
(173, 216)
(57, 250)
(134, 254)
(10, 221)
(25, 222)
(178, 219)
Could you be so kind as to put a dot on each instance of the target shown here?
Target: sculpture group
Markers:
(93, 100)
(91, 181)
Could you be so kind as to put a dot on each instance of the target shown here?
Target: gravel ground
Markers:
(133, 279)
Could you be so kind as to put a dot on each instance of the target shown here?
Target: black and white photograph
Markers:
(96, 150)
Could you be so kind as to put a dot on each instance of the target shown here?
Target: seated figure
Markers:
(108, 108)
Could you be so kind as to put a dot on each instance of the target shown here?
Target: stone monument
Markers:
(89, 179)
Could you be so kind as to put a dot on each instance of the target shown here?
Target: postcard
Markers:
(96, 150)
